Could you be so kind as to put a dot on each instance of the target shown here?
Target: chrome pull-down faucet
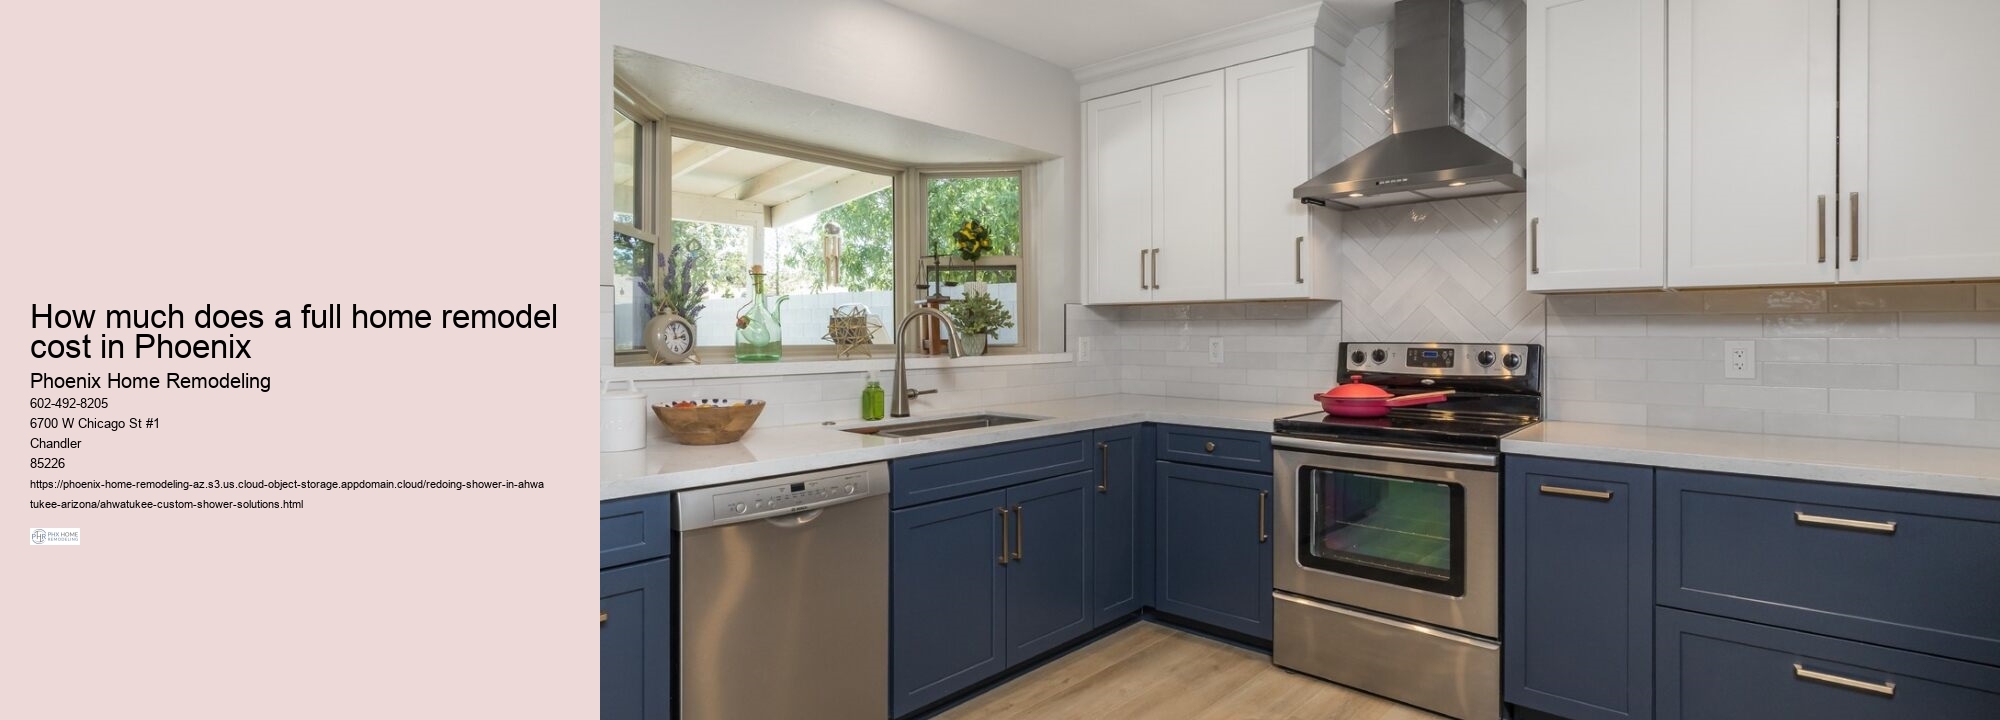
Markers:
(899, 404)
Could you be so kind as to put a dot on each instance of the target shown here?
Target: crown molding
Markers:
(1308, 26)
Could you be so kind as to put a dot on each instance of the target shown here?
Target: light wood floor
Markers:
(1151, 671)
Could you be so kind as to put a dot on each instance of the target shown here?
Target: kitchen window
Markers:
(831, 232)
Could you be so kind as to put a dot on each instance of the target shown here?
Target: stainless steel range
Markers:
(1388, 528)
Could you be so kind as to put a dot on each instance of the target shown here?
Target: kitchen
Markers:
(1711, 431)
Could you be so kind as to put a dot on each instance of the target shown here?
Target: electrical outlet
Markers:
(1739, 359)
(1215, 351)
(1083, 349)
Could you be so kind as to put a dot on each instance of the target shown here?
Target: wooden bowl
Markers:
(712, 422)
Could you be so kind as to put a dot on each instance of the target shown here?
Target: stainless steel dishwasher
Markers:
(785, 597)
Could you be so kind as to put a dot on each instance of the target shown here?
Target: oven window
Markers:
(1394, 530)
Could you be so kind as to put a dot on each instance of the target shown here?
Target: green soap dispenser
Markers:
(871, 399)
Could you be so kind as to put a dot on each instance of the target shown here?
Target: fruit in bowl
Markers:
(708, 422)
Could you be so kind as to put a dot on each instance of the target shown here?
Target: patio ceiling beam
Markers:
(777, 178)
(827, 197)
(695, 155)
(703, 208)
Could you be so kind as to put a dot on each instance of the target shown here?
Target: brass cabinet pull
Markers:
(1534, 246)
(1103, 467)
(1822, 228)
(1003, 536)
(1156, 268)
(1020, 531)
(1263, 525)
(1884, 689)
(1142, 268)
(1854, 227)
(603, 617)
(1208, 447)
(1576, 492)
(1298, 260)
(1886, 527)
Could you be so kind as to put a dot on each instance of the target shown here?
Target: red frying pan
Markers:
(1362, 400)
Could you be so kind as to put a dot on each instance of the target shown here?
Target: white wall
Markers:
(877, 56)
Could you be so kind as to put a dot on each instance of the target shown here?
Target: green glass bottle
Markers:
(759, 335)
(871, 399)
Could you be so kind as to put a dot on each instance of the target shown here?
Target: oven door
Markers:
(1403, 532)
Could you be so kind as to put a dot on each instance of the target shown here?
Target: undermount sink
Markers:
(917, 428)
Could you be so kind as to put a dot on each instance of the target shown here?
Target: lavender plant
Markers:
(681, 295)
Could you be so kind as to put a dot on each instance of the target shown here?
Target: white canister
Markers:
(621, 418)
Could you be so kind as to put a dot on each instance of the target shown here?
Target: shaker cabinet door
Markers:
(1214, 547)
(1048, 575)
(1186, 264)
(947, 598)
(1120, 547)
(1118, 196)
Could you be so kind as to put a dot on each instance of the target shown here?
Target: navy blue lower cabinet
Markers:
(1213, 561)
(1578, 588)
(1121, 526)
(1713, 668)
(1048, 570)
(947, 598)
(635, 641)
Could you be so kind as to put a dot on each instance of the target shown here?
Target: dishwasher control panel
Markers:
(788, 497)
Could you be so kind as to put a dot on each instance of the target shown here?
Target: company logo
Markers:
(55, 536)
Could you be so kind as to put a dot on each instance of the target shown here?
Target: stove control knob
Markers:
(1357, 357)
(1486, 358)
(1512, 361)
(1379, 356)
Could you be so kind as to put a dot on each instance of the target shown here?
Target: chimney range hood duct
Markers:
(1427, 155)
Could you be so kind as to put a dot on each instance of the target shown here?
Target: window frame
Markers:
(908, 184)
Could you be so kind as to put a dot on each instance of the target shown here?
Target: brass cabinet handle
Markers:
(1822, 228)
(1263, 525)
(1534, 246)
(1208, 447)
(603, 617)
(1104, 467)
(1576, 492)
(1003, 536)
(1142, 268)
(1156, 268)
(1298, 260)
(1020, 531)
(1884, 689)
(1886, 527)
(1854, 227)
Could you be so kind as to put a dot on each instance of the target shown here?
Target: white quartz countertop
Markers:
(667, 466)
(1937, 468)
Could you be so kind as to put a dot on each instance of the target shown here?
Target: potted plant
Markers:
(670, 334)
(978, 317)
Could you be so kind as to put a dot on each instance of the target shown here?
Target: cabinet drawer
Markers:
(1231, 449)
(958, 473)
(634, 529)
(1712, 668)
(1905, 569)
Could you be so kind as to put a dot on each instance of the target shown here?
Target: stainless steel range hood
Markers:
(1427, 155)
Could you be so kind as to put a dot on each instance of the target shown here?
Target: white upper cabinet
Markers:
(1919, 145)
(1118, 196)
(1187, 190)
(1596, 144)
(1751, 90)
(1281, 115)
(1188, 185)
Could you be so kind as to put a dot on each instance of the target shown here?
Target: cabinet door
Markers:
(1120, 564)
(1048, 574)
(947, 598)
(1750, 135)
(1596, 144)
(1266, 105)
(635, 641)
(1187, 184)
(1214, 546)
(1917, 142)
(1118, 195)
(1579, 589)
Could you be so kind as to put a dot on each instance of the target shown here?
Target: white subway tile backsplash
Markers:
(1954, 351)
(1902, 402)
(1945, 431)
(1828, 375)
(1831, 325)
(1875, 298)
(1987, 297)
(1665, 348)
(1597, 369)
(1986, 406)
(1706, 418)
(1951, 378)
(1649, 303)
(1779, 300)
(1981, 324)
(1705, 326)
(1598, 412)
(1989, 352)
(1851, 427)
(1649, 393)
(1757, 397)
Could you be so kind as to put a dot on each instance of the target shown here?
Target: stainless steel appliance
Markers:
(784, 597)
(1427, 156)
(1387, 572)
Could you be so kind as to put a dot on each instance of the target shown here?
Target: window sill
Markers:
(821, 366)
